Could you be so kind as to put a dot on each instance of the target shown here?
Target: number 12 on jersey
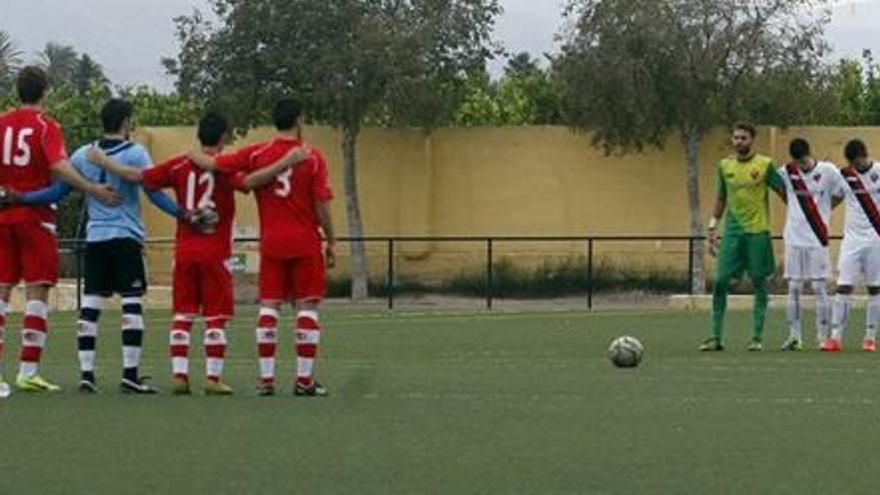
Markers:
(197, 181)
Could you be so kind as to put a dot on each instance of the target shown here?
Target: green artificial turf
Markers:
(461, 403)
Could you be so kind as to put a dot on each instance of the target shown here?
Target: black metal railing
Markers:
(490, 243)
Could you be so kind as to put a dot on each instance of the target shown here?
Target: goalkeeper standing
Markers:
(744, 181)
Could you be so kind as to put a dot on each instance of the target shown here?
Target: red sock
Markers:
(179, 345)
(215, 348)
(33, 336)
(308, 336)
(267, 342)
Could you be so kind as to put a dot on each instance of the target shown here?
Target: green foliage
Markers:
(10, 60)
(634, 72)
(525, 95)
(391, 62)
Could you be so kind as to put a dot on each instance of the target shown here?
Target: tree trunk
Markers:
(691, 137)
(359, 271)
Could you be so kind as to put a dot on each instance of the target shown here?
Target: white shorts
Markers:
(859, 264)
(807, 263)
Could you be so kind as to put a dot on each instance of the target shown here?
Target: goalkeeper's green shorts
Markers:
(746, 253)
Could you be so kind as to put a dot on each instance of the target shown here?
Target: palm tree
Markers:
(10, 60)
(60, 62)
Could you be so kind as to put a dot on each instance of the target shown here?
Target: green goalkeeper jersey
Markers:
(746, 185)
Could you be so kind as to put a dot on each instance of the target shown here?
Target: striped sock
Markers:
(87, 335)
(4, 307)
(132, 336)
(267, 342)
(33, 337)
(308, 336)
(215, 348)
(179, 345)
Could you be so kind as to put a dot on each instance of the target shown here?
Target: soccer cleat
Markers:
(832, 345)
(139, 386)
(35, 383)
(869, 345)
(313, 390)
(179, 386)
(217, 388)
(711, 344)
(88, 387)
(5, 389)
(755, 346)
(792, 344)
(266, 389)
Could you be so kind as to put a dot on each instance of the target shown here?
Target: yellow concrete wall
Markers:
(511, 182)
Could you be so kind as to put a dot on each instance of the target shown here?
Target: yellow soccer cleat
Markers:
(217, 388)
(35, 383)
(179, 386)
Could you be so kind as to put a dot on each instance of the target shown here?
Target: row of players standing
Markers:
(292, 189)
(811, 189)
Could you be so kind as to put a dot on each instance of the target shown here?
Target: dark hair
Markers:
(31, 84)
(114, 114)
(742, 126)
(855, 149)
(799, 148)
(212, 127)
(286, 113)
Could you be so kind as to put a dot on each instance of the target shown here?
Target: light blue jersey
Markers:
(109, 222)
(114, 222)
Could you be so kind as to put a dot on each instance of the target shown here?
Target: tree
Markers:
(635, 72)
(526, 94)
(88, 73)
(353, 62)
(10, 60)
(60, 63)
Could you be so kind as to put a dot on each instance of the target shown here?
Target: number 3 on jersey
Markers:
(22, 150)
(283, 186)
(205, 182)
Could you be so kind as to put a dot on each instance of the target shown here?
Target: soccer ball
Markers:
(626, 352)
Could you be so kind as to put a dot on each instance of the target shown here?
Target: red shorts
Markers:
(294, 279)
(203, 287)
(28, 251)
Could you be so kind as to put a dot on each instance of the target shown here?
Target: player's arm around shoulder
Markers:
(75, 173)
(264, 175)
(96, 155)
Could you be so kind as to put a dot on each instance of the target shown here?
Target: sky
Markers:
(129, 37)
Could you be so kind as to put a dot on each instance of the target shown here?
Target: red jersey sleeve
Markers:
(160, 176)
(236, 161)
(321, 183)
(236, 180)
(54, 148)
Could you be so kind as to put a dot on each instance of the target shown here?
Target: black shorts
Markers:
(115, 266)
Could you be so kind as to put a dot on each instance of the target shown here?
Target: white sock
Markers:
(873, 317)
(840, 309)
(820, 289)
(793, 307)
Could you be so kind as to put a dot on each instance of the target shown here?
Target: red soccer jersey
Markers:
(288, 218)
(196, 188)
(30, 143)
